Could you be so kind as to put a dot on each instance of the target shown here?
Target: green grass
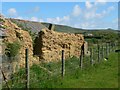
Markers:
(101, 75)
(0, 86)
(104, 75)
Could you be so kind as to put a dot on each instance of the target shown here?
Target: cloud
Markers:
(33, 10)
(19, 17)
(92, 14)
(67, 18)
(34, 19)
(85, 24)
(76, 11)
(59, 20)
(115, 20)
(36, 9)
(88, 5)
(101, 2)
(111, 8)
(31, 18)
(89, 15)
(41, 20)
(87, 18)
(55, 20)
(12, 12)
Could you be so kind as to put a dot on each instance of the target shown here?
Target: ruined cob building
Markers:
(49, 44)
(47, 47)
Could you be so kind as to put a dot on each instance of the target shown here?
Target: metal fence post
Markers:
(27, 68)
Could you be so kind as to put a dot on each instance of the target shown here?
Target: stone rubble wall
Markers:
(49, 45)
(15, 33)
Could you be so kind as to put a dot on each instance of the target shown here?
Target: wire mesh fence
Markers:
(39, 74)
(8, 67)
(10, 64)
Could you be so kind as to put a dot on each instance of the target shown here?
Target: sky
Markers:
(86, 15)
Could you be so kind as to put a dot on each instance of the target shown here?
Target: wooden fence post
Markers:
(116, 45)
(63, 64)
(102, 51)
(27, 68)
(81, 59)
(91, 56)
(106, 50)
(112, 47)
(98, 53)
(109, 47)
(94, 52)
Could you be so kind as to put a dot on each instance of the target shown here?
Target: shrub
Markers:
(2, 27)
(12, 49)
(1, 20)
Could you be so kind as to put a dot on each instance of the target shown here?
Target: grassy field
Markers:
(104, 75)
(101, 75)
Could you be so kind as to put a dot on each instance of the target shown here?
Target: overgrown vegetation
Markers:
(107, 35)
(102, 75)
(2, 27)
(12, 49)
(1, 20)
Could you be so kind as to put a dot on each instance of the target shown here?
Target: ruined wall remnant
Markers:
(49, 44)
(15, 33)
(51, 27)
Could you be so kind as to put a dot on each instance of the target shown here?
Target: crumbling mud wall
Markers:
(10, 33)
(15, 33)
(49, 44)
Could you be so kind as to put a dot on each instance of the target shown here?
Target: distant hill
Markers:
(67, 29)
(35, 27)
